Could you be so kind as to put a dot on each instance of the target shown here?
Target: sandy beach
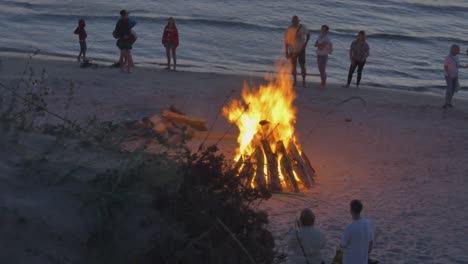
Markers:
(399, 152)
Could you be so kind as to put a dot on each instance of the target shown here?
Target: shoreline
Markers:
(199, 67)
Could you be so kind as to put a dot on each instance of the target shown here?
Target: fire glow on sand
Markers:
(269, 153)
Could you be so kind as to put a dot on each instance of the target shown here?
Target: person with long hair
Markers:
(358, 53)
(307, 241)
(125, 40)
(170, 40)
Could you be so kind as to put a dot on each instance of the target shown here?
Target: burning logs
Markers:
(300, 166)
(272, 161)
(286, 169)
(265, 117)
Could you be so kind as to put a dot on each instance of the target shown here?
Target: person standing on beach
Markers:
(81, 32)
(170, 40)
(451, 66)
(307, 241)
(358, 53)
(295, 43)
(358, 237)
(125, 40)
(324, 48)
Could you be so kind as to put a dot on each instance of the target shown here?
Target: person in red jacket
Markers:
(81, 32)
(170, 40)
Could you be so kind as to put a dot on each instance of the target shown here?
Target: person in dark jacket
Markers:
(358, 53)
(125, 39)
(81, 32)
(170, 40)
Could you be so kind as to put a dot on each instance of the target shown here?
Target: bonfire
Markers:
(269, 155)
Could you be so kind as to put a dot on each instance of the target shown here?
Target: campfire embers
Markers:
(268, 155)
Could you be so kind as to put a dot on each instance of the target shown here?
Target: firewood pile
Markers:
(172, 128)
(286, 169)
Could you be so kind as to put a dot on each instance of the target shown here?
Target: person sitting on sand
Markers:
(81, 32)
(295, 43)
(358, 53)
(324, 48)
(451, 66)
(170, 40)
(307, 241)
(125, 40)
(358, 237)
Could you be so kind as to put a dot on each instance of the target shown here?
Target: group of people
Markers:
(295, 42)
(126, 37)
(297, 37)
(306, 243)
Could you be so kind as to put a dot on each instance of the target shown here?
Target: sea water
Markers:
(408, 38)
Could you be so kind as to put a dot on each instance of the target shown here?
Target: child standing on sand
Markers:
(170, 40)
(451, 66)
(81, 32)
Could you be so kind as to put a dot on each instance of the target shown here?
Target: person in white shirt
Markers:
(451, 66)
(358, 238)
(295, 43)
(324, 47)
(307, 241)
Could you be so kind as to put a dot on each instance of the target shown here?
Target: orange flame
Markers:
(266, 112)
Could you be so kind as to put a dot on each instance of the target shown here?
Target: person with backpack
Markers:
(307, 241)
(358, 53)
(170, 40)
(324, 48)
(125, 39)
(81, 32)
(295, 43)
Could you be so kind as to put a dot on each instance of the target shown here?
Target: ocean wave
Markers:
(441, 7)
(241, 25)
(163, 20)
(26, 5)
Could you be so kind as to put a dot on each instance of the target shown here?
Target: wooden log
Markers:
(287, 167)
(239, 164)
(272, 163)
(247, 172)
(299, 165)
(259, 174)
(196, 123)
(174, 109)
(309, 167)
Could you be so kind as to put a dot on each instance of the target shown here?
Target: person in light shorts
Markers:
(324, 48)
(451, 66)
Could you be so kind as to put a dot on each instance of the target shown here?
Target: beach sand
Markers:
(400, 153)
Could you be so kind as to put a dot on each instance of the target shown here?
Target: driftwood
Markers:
(196, 123)
(259, 174)
(275, 184)
(299, 166)
(287, 167)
